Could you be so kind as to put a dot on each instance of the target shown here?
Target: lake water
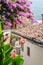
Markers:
(37, 8)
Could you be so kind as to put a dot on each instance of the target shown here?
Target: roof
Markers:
(32, 32)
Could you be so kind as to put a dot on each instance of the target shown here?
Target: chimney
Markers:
(42, 18)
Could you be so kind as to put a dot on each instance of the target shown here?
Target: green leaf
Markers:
(8, 61)
(9, 50)
(6, 47)
(0, 28)
(1, 34)
(18, 60)
(1, 57)
(12, 0)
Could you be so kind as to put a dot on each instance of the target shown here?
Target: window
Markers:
(28, 51)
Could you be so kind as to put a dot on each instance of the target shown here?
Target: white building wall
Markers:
(36, 54)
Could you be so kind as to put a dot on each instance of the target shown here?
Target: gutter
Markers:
(33, 41)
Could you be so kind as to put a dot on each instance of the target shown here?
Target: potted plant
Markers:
(7, 57)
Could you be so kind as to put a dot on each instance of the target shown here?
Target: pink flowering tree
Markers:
(11, 10)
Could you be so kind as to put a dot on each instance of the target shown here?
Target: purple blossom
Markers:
(34, 20)
(14, 5)
(28, 10)
(10, 8)
(8, 13)
(9, 24)
(27, 15)
(16, 20)
(0, 5)
(20, 21)
(4, 17)
(8, 1)
(0, 0)
(28, 3)
(30, 14)
(21, 13)
(16, 9)
(19, 6)
(21, 1)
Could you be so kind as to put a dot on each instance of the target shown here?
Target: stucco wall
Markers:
(36, 54)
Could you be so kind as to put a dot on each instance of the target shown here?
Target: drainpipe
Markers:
(42, 18)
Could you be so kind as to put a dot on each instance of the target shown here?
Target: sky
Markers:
(37, 8)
